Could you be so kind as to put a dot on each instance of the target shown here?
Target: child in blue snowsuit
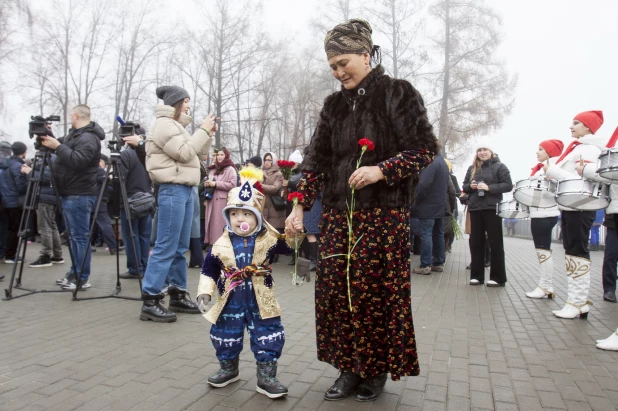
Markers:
(238, 268)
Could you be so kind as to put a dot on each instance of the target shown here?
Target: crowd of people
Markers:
(372, 173)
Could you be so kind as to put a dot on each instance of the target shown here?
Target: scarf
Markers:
(220, 166)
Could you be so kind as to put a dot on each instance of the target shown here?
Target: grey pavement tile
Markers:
(478, 348)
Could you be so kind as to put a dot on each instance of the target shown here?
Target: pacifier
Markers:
(244, 227)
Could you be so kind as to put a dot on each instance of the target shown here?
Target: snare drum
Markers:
(582, 195)
(608, 164)
(536, 192)
(512, 209)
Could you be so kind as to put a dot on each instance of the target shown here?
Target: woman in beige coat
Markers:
(173, 162)
(273, 183)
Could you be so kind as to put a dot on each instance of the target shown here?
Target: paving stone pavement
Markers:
(479, 348)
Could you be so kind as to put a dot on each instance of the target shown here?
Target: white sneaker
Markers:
(72, 286)
(474, 282)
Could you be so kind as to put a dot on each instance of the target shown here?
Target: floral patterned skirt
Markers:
(377, 336)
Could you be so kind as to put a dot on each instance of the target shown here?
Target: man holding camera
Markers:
(137, 180)
(75, 169)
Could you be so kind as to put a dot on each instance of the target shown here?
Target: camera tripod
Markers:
(119, 193)
(33, 191)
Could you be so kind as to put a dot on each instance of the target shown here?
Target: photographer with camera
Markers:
(75, 169)
(51, 252)
(173, 162)
(13, 185)
(137, 181)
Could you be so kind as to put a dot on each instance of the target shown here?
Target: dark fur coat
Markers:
(390, 113)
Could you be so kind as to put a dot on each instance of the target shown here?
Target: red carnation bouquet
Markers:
(295, 198)
(286, 168)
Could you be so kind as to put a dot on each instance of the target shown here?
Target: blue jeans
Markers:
(173, 233)
(432, 241)
(141, 229)
(77, 210)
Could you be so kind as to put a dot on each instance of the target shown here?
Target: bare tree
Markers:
(137, 47)
(399, 22)
(92, 52)
(330, 13)
(474, 91)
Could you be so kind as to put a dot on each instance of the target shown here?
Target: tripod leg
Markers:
(32, 196)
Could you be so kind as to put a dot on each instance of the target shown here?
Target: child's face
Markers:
(243, 221)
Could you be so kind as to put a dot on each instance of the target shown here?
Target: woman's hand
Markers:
(209, 124)
(365, 176)
(295, 219)
(473, 185)
(482, 186)
(285, 183)
(580, 170)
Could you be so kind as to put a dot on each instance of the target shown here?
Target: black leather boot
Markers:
(345, 384)
(267, 382)
(152, 310)
(371, 388)
(226, 375)
(180, 302)
(313, 256)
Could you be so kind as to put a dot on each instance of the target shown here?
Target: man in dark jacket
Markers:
(75, 169)
(430, 201)
(136, 181)
(5, 154)
(51, 252)
(13, 185)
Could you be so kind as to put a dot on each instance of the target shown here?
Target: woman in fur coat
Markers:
(374, 335)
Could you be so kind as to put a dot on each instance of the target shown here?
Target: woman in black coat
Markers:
(486, 180)
(375, 336)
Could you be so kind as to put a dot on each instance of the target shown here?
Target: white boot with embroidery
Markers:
(610, 343)
(577, 305)
(545, 287)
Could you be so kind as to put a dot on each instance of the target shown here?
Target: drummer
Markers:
(543, 221)
(610, 257)
(576, 224)
(589, 171)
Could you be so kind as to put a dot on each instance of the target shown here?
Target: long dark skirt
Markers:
(378, 335)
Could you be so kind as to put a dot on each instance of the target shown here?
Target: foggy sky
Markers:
(564, 51)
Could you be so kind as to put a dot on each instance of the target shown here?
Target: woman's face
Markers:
(483, 154)
(220, 156)
(268, 162)
(350, 69)
(186, 105)
(541, 154)
(578, 129)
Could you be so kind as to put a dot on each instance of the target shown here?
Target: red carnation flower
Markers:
(368, 144)
(296, 195)
(258, 187)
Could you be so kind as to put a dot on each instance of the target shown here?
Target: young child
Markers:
(237, 266)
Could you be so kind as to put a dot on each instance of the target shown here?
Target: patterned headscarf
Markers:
(351, 37)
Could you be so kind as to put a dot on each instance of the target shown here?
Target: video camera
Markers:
(129, 128)
(38, 127)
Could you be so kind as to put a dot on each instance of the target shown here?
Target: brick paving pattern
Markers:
(480, 348)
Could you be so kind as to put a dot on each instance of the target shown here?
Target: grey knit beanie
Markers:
(171, 94)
